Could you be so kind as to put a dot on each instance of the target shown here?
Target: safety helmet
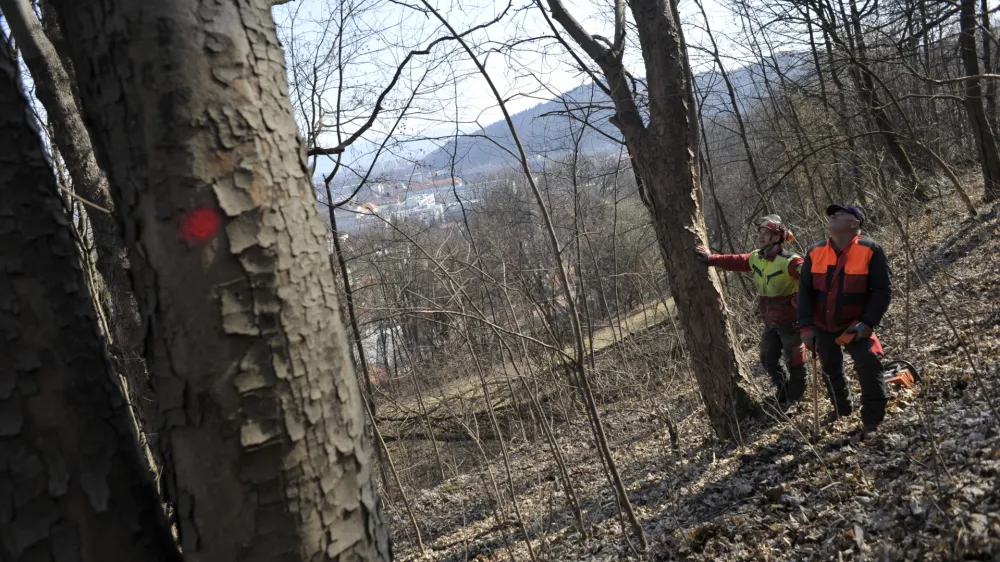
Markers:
(775, 225)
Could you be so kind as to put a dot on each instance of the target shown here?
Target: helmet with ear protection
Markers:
(775, 225)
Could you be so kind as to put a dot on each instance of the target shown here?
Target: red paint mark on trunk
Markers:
(199, 225)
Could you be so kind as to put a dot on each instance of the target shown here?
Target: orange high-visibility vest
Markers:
(840, 282)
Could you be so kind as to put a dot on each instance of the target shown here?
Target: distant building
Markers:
(445, 182)
(423, 200)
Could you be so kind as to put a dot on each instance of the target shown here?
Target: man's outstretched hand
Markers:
(703, 254)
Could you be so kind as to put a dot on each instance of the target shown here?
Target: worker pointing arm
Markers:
(776, 276)
(728, 262)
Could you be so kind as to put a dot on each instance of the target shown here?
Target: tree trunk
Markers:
(53, 88)
(973, 100)
(819, 67)
(926, 63)
(72, 483)
(737, 113)
(679, 225)
(262, 425)
(843, 115)
(352, 318)
(864, 82)
(991, 85)
(665, 155)
(866, 88)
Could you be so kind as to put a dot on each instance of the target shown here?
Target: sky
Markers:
(447, 91)
(360, 44)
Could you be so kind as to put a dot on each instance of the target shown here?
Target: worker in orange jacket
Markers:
(844, 291)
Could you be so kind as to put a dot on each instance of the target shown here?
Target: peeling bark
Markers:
(261, 422)
(71, 482)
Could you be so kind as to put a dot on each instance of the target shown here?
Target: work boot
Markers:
(792, 407)
(792, 400)
(833, 416)
(793, 394)
(869, 431)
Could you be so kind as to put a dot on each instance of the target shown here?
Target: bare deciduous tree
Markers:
(262, 423)
(989, 159)
(665, 153)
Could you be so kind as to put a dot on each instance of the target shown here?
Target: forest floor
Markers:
(925, 489)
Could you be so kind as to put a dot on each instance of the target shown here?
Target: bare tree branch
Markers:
(611, 65)
(318, 151)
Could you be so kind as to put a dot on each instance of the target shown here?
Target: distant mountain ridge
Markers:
(546, 131)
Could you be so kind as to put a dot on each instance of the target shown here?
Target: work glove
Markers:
(703, 254)
(857, 332)
(808, 335)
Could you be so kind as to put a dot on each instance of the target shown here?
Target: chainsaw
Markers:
(900, 374)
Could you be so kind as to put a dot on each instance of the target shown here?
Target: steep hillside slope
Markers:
(925, 489)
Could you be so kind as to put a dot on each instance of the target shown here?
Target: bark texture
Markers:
(54, 89)
(72, 486)
(989, 160)
(665, 155)
(262, 424)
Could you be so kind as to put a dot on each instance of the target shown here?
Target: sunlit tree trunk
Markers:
(262, 424)
(665, 154)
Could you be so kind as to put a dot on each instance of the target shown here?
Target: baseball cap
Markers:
(856, 211)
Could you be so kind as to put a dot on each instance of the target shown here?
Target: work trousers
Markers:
(783, 340)
(867, 365)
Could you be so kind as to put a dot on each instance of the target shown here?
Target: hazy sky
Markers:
(525, 70)
(447, 90)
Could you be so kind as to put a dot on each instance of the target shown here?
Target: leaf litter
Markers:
(926, 488)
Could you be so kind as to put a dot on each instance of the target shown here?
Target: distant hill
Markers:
(542, 129)
(545, 129)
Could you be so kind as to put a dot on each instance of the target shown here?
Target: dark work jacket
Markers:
(837, 289)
